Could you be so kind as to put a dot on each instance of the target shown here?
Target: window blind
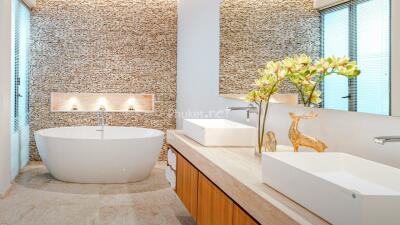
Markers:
(17, 79)
(24, 39)
(21, 64)
(335, 41)
(359, 29)
(373, 56)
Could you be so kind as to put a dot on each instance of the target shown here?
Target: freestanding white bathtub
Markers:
(86, 155)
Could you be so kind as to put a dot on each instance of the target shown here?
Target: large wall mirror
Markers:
(256, 31)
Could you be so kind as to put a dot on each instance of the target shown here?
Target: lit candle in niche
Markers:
(101, 103)
(74, 107)
(131, 104)
(131, 108)
(73, 103)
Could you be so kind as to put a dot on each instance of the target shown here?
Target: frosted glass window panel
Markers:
(373, 56)
(336, 43)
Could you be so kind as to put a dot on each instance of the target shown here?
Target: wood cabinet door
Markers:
(214, 207)
(240, 217)
(186, 184)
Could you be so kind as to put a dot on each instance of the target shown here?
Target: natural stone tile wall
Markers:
(256, 31)
(103, 46)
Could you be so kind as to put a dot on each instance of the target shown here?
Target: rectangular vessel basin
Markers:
(341, 188)
(219, 132)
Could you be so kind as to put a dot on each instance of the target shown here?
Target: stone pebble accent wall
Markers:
(103, 46)
(254, 32)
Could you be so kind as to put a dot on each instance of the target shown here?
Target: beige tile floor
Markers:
(37, 198)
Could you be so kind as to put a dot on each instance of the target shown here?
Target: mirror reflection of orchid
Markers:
(304, 74)
(307, 76)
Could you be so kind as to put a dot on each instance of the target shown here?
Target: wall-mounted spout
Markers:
(251, 108)
(382, 140)
(101, 120)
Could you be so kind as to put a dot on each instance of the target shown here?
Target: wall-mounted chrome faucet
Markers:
(382, 140)
(101, 120)
(251, 108)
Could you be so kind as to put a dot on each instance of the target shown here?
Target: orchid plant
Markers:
(306, 77)
(271, 76)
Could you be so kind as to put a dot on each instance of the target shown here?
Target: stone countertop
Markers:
(237, 171)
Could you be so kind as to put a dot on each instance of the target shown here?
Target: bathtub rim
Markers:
(158, 133)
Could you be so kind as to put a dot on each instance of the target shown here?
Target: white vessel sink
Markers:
(219, 132)
(341, 188)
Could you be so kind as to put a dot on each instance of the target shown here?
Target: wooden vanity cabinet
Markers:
(186, 184)
(207, 204)
(214, 207)
(240, 217)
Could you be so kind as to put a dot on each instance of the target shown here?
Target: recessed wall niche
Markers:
(109, 102)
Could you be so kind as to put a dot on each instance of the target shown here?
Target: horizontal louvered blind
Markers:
(359, 29)
(335, 42)
(373, 56)
(16, 71)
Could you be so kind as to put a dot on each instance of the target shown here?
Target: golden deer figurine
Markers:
(298, 139)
